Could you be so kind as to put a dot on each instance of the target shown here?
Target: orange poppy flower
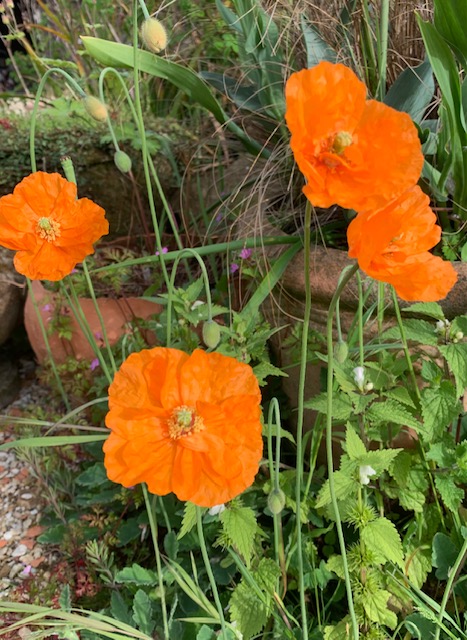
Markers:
(186, 424)
(392, 245)
(48, 227)
(353, 152)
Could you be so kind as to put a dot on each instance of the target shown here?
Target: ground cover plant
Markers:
(189, 496)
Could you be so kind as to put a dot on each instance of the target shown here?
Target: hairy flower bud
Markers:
(341, 351)
(154, 35)
(122, 161)
(96, 108)
(276, 501)
(211, 334)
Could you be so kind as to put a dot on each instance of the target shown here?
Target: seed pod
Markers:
(276, 501)
(154, 35)
(122, 161)
(211, 334)
(96, 108)
(341, 351)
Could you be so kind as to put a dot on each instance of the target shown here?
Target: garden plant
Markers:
(195, 493)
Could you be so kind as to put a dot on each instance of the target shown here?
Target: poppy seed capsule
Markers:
(122, 161)
(276, 501)
(211, 334)
(154, 35)
(96, 108)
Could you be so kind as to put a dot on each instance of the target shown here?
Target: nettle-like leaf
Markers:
(430, 309)
(353, 445)
(247, 609)
(380, 536)
(376, 608)
(239, 529)
(265, 369)
(381, 459)
(440, 406)
(189, 519)
(456, 357)
(418, 564)
(451, 494)
(143, 612)
(419, 331)
(345, 483)
(136, 575)
(392, 411)
(342, 408)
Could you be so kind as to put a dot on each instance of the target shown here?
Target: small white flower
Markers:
(359, 377)
(365, 472)
(216, 509)
(196, 304)
(369, 386)
(442, 325)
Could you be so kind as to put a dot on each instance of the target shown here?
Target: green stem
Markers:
(207, 564)
(361, 355)
(274, 471)
(301, 414)
(330, 377)
(447, 592)
(404, 344)
(154, 533)
(382, 49)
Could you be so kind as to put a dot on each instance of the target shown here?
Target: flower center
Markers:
(184, 421)
(48, 229)
(341, 140)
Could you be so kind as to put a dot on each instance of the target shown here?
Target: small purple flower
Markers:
(47, 307)
(98, 335)
(245, 253)
(164, 250)
(27, 570)
(74, 271)
(94, 364)
(234, 267)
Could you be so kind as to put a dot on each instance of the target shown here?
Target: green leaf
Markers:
(266, 575)
(376, 607)
(240, 527)
(440, 406)
(189, 519)
(456, 357)
(317, 49)
(419, 627)
(450, 19)
(418, 564)
(52, 441)
(402, 395)
(381, 537)
(206, 633)
(419, 331)
(247, 611)
(445, 554)
(119, 609)
(93, 476)
(53, 535)
(171, 545)
(265, 369)
(342, 407)
(353, 445)
(392, 411)
(142, 612)
(136, 575)
(452, 495)
(64, 599)
(380, 459)
(345, 485)
(412, 91)
(430, 309)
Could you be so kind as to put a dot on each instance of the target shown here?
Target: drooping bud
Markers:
(96, 108)
(276, 501)
(122, 161)
(341, 351)
(154, 35)
(211, 334)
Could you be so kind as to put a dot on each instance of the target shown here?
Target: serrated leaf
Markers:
(205, 633)
(452, 495)
(430, 309)
(119, 609)
(142, 612)
(345, 485)
(188, 521)
(418, 564)
(247, 611)
(336, 565)
(376, 608)
(266, 575)
(419, 331)
(240, 527)
(353, 445)
(445, 554)
(342, 407)
(456, 357)
(94, 476)
(136, 575)
(171, 545)
(392, 411)
(265, 369)
(381, 537)
(439, 407)
(401, 395)
(431, 372)
(64, 599)
(380, 460)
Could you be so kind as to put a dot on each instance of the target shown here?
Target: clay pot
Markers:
(116, 313)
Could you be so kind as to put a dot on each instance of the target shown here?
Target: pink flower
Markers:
(94, 364)
(234, 267)
(245, 253)
(164, 250)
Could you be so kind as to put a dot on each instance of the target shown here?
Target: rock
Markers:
(9, 382)
(11, 294)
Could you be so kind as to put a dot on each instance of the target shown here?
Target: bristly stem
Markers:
(207, 564)
(301, 414)
(151, 511)
(330, 378)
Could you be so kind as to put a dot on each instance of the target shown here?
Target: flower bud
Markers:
(154, 35)
(341, 351)
(459, 335)
(96, 108)
(211, 334)
(122, 161)
(276, 501)
(359, 377)
(369, 386)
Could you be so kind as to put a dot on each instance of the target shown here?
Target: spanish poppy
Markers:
(353, 152)
(49, 228)
(184, 424)
(392, 245)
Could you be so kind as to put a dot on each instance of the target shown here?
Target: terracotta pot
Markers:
(116, 314)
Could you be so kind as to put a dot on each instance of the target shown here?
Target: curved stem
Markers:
(332, 306)
(447, 592)
(207, 564)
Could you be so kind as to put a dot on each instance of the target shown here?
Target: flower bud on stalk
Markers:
(96, 108)
(154, 35)
(276, 501)
(211, 334)
(122, 161)
(341, 351)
